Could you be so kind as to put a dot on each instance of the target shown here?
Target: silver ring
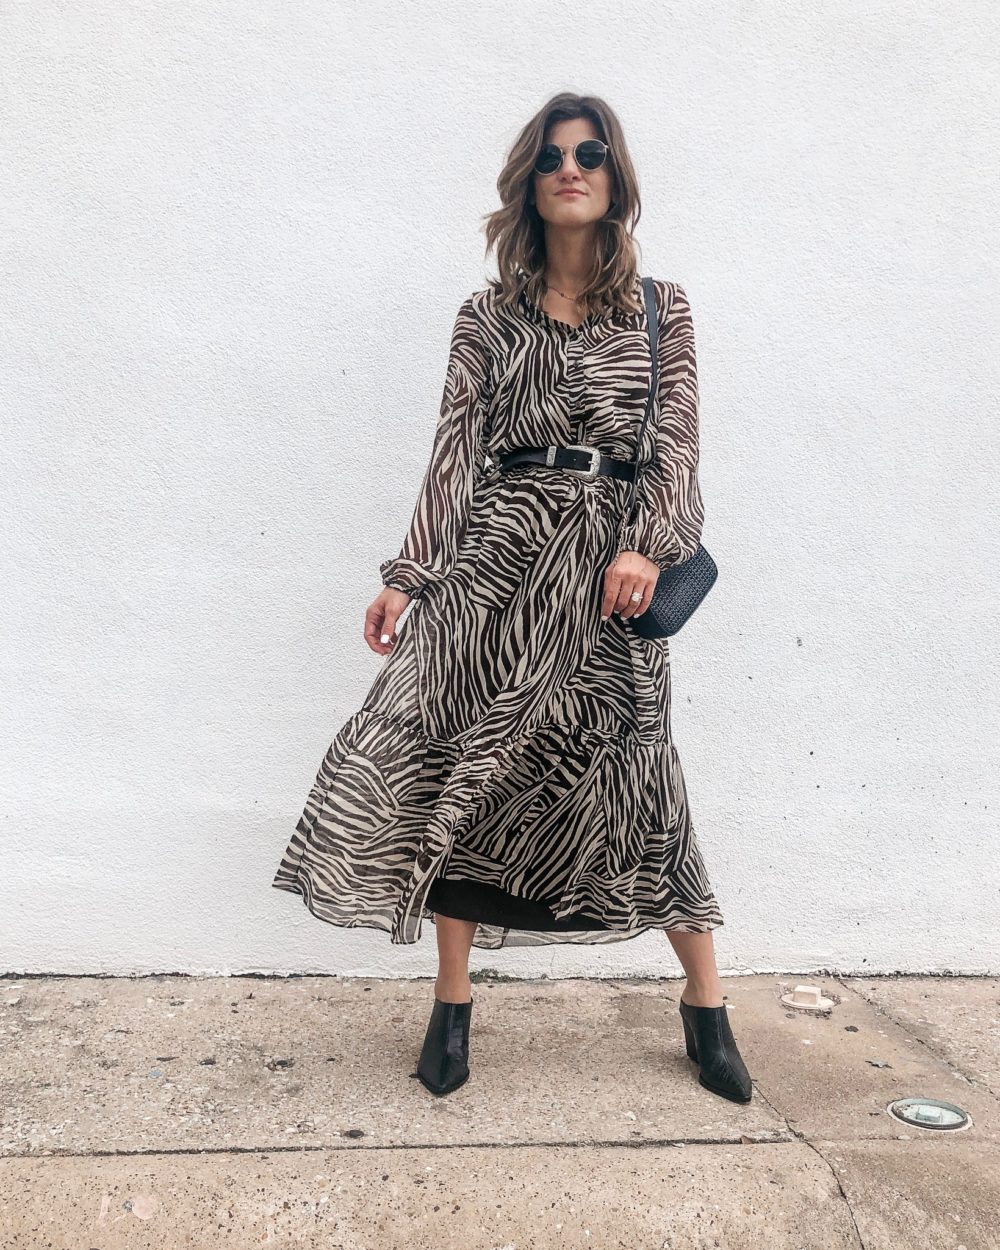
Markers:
(635, 596)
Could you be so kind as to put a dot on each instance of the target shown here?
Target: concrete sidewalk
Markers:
(171, 1111)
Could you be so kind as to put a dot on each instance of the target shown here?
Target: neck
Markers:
(569, 257)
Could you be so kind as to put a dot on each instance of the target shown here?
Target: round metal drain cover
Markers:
(929, 1113)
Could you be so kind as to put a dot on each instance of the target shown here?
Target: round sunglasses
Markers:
(588, 153)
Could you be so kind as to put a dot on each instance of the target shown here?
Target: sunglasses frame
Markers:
(562, 156)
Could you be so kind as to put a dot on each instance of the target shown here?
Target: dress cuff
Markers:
(403, 575)
(651, 537)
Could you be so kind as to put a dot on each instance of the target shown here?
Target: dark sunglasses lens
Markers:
(590, 154)
(548, 159)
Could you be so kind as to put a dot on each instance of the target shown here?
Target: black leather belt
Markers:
(576, 457)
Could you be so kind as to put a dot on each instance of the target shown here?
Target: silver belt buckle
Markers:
(595, 459)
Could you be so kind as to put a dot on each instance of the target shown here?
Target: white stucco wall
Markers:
(234, 240)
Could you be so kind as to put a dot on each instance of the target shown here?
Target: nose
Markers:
(569, 166)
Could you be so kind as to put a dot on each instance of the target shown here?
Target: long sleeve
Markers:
(669, 511)
(441, 513)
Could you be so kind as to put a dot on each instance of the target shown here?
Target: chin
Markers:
(574, 209)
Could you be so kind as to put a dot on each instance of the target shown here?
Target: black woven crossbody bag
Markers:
(680, 588)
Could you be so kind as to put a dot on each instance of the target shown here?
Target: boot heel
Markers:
(689, 1042)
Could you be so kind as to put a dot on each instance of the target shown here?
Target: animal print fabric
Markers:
(513, 761)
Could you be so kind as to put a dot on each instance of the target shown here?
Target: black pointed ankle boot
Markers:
(710, 1043)
(444, 1059)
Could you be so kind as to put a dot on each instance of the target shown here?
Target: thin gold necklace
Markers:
(574, 298)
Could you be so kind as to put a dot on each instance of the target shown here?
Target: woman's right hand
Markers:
(381, 618)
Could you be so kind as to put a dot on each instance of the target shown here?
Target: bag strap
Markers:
(652, 325)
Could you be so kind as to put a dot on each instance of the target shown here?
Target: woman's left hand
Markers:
(627, 573)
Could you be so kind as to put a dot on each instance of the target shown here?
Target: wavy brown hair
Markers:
(516, 231)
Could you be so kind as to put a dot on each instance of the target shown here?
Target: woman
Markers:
(511, 774)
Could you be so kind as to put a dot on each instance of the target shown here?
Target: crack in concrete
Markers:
(580, 1144)
(798, 1135)
(976, 1082)
(843, 1191)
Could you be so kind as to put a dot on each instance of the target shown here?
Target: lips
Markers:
(569, 193)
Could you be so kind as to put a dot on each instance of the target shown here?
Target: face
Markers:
(553, 200)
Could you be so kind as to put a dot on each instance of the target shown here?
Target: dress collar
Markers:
(538, 314)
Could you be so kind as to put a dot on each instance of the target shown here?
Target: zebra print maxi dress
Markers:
(513, 761)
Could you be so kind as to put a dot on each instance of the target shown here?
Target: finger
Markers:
(387, 636)
(612, 582)
(639, 606)
(626, 607)
(373, 629)
(647, 596)
(373, 625)
(379, 625)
